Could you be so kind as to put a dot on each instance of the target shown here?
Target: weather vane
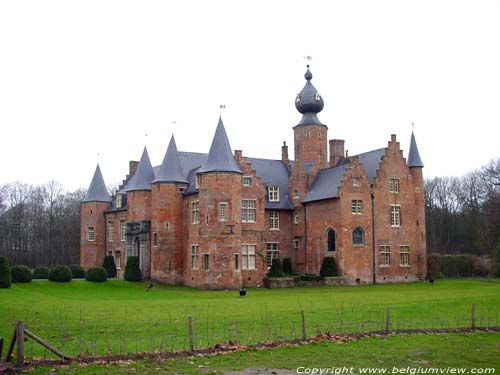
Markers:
(308, 58)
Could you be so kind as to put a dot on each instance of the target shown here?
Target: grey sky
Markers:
(82, 78)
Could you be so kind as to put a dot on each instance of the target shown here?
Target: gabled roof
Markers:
(220, 157)
(143, 175)
(97, 191)
(170, 170)
(413, 155)
(370, 161)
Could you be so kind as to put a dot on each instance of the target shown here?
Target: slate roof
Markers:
(143, 176)
(170, 170)
(307, 103)
(220, 157)
(413, 155)
(97, 191)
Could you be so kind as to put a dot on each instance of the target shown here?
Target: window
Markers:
(274, 194)
(395, 215)
(394, 185)
(296, 219)
(90, 234)
(330, 240)
(296, 193)
(223, 211)
(119, 201)
(355, 181)
(195, 212)
(197, 182)
(296, 244)
(358, 236)
(404, 256)
(248, 211)
(247, 181)
(123, 230)
(111, 231)
(206, 265)
(155, 239)
(236, 262)
(385, 256)
(357, 207)
(118, 260)
(248, 259)
(194, 257)
(272, 252)
(274, 220)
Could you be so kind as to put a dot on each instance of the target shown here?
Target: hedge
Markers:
(5, 275)
(287, 266)
(132, 270)
(110, 266)
(328, 267)
(276, 270)
(457, 265)
(41, 273)
(77, 272)
(20, 274)
(96, 274)
(60, 274)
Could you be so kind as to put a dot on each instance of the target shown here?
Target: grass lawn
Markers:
(119, 317)
(476, 350)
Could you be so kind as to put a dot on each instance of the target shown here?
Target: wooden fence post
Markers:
(1, 349)
(388, 319)
(473, 316)
(191, 339)
(304, 334)
(20, 342)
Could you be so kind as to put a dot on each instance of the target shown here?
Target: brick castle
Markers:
(217, 220)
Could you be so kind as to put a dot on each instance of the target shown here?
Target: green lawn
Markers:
(119, 317)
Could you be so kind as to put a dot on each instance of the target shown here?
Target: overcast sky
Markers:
(78, 79)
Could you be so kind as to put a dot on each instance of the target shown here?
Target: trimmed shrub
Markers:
(41, 273)
(5, 275)
(77, 272)
(132, 270)
(287, 266)
(60, 274)
(110, 266)
(328, 267)
(276, 270)
(496, 260)
(20, 274)
(96, 274)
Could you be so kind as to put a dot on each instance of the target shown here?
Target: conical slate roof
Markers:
(413, 155)
(170, 169)
(309, 102)
(220, 157)
(143, 175)
(97, 191)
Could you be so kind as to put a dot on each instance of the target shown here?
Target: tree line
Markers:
(40, 224)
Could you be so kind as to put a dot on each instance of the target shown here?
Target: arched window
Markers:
(330, 240)
(358, 236)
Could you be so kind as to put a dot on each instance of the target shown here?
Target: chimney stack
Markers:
(284, 154)
(336, 151)
(132, 167)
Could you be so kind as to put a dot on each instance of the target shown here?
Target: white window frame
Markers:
(118, 259)
(355, 181)
(273, 193)
(394, 185)
(247, 181)
(236, 262)
(223, 211)
(194, 256)
(395, 215)
(296, 244)
(296, 218)
(197, 182)
(111, 230)
(123, 230)
(90, 234)
(119, 200)
(296, 194)
(206, 262)
(195, 212)
(357, 207)
(385, 255)
(248, 211)
(248, 256)
(272, 252)
(155, 239)
(404, 256)
(274, 220)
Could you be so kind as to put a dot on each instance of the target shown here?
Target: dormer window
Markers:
(119, 202)
(274, 194)
(297, 99)
(247, 181)
(197, 182)
(317, 97)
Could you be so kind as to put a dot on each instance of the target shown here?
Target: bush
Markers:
(328, 268)
(109, 265)
(5, 275)
(310, 277)
(77, 272)
(287, 266)
(60, 274)
(132, 270)
(96, 274)
(20, 274)
(496, 260)
(276, 270)
(41, 273)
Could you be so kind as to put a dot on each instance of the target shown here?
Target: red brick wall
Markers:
(115, 246)
(92, 215)
(139, 206)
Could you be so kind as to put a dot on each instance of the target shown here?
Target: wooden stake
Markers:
(11, 346)
(1, 348)
(473, 317)
(388, 319)
(304, 334)
(191, 339)
(20, 342)
(46, 345)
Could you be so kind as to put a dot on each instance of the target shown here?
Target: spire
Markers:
(309, 102)
(97, 191)
(220, 157)
(413, 155)
(143, 175)
(170, 169)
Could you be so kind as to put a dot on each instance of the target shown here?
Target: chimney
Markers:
(284, 154)
(238, 155)
(336, 151)
(132, 167)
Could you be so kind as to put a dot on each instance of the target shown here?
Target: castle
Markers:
(217, 220)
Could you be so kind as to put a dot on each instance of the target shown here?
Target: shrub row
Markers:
(328, 269)
(461, 265)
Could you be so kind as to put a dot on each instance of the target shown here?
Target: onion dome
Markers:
(309, 102)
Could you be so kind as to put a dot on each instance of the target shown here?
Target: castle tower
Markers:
(415, 164)
(219, 227)
(93, 223)
(139, 214)
(167, 219)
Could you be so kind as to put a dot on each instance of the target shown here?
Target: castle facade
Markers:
(217, 220)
